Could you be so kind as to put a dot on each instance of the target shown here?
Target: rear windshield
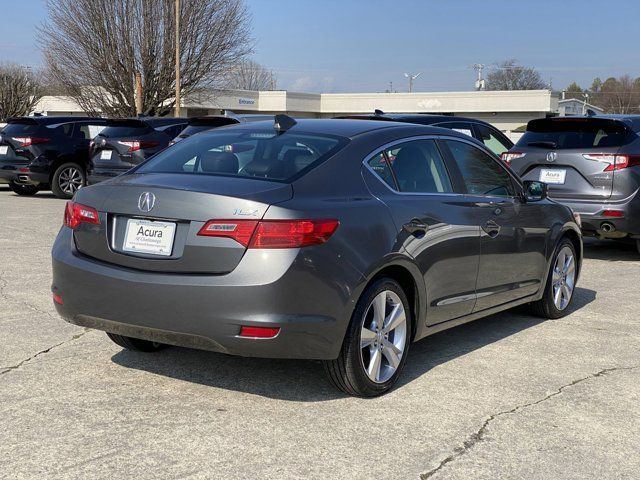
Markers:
(574, 133)
(125, 128)
(191, 129)
(20, 129)
(260, 154)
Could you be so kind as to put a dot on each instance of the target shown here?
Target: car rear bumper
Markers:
(595, 222)
(207, 311)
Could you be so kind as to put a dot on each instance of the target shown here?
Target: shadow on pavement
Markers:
(611, 250)
(304, 380)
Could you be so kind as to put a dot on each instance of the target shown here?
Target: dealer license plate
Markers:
(105, 155)
(150, 237)
(553, 176)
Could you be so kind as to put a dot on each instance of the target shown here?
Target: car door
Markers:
(435, 225)
(512, 232)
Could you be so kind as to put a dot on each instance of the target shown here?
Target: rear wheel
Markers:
(561, 283)
(67, 180)
(23, 189)
(376, 344)
(136, 344)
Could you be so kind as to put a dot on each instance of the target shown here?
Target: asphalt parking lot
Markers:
(510, 396)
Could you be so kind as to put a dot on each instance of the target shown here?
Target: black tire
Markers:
(135, 344)
(26, 190)
(59, 185)
(545, 307)
(347, 372)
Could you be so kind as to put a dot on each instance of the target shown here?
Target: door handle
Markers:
(491, 228)
(416, 226)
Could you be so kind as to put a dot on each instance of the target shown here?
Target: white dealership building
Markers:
(507, 110)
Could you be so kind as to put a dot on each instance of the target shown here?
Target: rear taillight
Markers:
(76, 214)
(28, 141)
(508, 157)
(135, 145)
(614, 162)
(272, 233)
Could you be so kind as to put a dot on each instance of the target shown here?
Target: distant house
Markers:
(574, 106)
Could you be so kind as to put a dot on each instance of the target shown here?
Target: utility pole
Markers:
(411, 78)
(390, 87)
(177, 110)
(138, 93)
(478, 67)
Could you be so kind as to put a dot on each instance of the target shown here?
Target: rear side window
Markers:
(192, 129)
(491, 140)
(579, 133)
(417, 167)
(258, 154)
(460, 127)
(481, 174)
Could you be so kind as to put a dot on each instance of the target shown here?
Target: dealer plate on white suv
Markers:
(554, 176)
(149, 237)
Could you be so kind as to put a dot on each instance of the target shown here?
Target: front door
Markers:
(513, 233)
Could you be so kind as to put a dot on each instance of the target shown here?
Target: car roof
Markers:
(350, 128)
(421, 118)
(49, 120)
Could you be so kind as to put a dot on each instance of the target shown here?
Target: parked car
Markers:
(41, 153)
(490, 136)
(591, 164)
(302, 240)
(200, 124)
(127, 142)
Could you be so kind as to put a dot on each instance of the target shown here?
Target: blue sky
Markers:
(362, 45)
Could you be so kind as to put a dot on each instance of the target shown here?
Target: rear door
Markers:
(573, 155)
(436, 226)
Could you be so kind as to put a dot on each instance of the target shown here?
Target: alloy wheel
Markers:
(563, 278)
(70, 180)
(383, 336)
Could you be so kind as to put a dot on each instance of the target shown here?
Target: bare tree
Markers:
(250, 75)
(95, 47)
(20, 90)
(508, 75)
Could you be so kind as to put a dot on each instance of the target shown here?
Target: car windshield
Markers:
(261, 154)
(574, 133)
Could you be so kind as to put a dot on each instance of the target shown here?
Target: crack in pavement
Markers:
(42, 352)
(4, 295)
(479, 435)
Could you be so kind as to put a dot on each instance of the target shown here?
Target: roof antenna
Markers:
(283, 122)
(378, 112)
(229, 113)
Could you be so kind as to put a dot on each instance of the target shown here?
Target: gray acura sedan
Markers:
(337, 240)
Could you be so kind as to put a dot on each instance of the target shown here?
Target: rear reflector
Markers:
(58, 299)
(259, 332)
(613, 213)
(76, 214)
(272, 233)
(23, 169)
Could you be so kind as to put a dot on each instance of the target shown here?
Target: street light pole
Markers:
(177, 108)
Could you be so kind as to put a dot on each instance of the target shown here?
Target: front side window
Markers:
(261, 154)
(481, 174)
(491, 140)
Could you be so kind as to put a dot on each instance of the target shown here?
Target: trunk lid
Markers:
(183, 204)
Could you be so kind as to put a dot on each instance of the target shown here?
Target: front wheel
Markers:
(376, 344)
(67, 180)
(136, 344)
(558, 292)
(20, 189)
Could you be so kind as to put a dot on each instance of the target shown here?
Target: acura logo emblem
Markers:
(146, 202)
(551, 156)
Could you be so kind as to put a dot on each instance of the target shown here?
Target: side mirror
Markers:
(534, 191)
